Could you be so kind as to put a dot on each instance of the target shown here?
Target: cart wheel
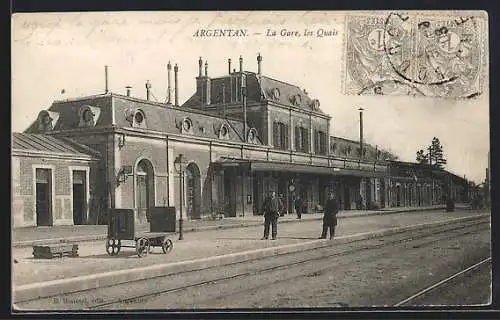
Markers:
(113, 246)
(142, 247)
(167, 245)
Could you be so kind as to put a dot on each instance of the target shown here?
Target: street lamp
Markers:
(179, 165)
(244, 100)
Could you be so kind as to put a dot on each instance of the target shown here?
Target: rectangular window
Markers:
(298, 138)
(301, 139)
(284, 136)
(316, 141)
(280, 135)
(305, 140)
(320, 142)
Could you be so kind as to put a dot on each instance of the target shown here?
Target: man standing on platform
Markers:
(330, 216)
(271, 212)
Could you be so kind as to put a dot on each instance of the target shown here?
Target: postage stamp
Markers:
(420, 54)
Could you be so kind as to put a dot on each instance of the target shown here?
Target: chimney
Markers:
(223, 92)
(241, 64)
(200, 66)
(207, 86)
(148, 86)
(176, 69)
(229, 65)
(128, 90)
(105, 79)
(259, 65)
(169, 90)
(224, 98)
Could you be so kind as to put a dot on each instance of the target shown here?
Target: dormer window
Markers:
(45, 121)
(252, 136)
(333, 147)
(296, 100)
(187, 126)
(315, 104)
(224, 132)
(88, 116)
(275, 94)
(139, 119)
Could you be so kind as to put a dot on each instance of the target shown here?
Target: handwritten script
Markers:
(149, 28)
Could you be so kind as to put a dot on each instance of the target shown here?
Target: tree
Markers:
(387, 155)
(422, 157)
(437, 156)
(434, 155)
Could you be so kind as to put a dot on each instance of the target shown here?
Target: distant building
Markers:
(128, 148)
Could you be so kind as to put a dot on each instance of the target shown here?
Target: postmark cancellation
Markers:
(417, 53)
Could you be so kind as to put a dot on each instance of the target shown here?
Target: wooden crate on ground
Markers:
(58, 250)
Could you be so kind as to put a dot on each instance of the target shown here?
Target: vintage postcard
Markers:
(220, 160)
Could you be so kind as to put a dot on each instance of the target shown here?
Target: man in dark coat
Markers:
(271, 208)
(298, 207)
(330, 216)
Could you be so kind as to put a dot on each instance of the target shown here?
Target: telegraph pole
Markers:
(361, 147)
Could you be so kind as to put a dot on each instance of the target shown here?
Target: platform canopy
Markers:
(273, 166)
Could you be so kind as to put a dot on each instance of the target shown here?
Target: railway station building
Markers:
(236, 138)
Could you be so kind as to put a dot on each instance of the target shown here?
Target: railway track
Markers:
(165, 285)
(418, 295)
(417, 241)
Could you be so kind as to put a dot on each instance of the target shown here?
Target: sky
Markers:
(55, 51)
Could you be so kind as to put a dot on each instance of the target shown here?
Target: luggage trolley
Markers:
(121, 227)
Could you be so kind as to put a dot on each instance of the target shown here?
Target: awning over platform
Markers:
(269, 166)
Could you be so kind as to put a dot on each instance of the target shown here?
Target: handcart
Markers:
(121, 227)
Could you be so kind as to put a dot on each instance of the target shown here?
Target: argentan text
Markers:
(220, 33)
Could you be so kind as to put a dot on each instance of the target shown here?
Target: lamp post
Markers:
(244, 100)
(179, 164)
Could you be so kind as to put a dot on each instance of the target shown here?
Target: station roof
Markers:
(49, 144)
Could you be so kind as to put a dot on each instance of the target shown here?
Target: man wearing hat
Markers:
(330, 216)
(271, 208)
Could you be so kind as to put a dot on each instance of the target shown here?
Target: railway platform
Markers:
(29, 236)
(94, 267)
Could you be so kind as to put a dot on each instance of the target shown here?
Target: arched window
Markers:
(193, 191)
(144, 191)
